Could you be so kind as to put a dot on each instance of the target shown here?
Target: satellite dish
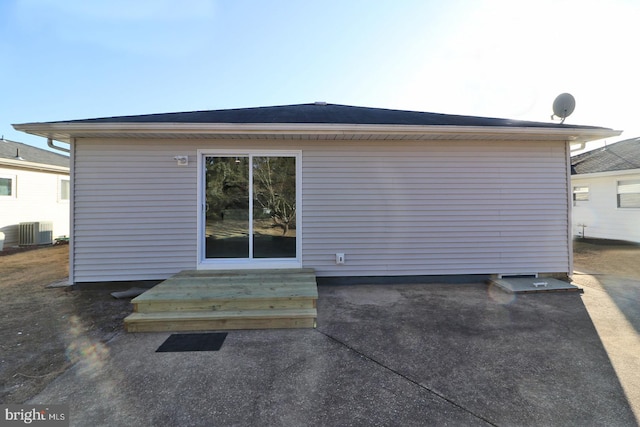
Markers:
(563, 106)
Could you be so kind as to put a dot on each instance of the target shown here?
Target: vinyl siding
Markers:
(394, 208)
(600, 214)
(436, 208)
(135, 214)
(37, 198)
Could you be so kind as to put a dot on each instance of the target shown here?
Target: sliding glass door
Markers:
(227, 207)
(250, 208)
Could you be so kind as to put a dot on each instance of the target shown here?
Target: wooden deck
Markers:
(228, 299)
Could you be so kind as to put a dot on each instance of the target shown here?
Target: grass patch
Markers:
(35, 267)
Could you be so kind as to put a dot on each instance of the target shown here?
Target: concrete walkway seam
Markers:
(411, 380)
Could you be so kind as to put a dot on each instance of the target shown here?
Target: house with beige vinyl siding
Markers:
(346, 191)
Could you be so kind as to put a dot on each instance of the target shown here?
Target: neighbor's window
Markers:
(580, 194)
(64, 189)
(629, 193)
(7, 186)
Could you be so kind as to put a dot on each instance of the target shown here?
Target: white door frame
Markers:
(204, 263)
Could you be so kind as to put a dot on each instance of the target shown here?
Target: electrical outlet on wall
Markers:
(340, 258)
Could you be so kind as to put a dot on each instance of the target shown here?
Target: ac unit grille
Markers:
(35, 233)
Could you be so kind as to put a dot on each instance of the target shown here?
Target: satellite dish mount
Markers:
(563, 106)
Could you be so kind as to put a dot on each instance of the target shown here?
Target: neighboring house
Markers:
(606, 192)
(34, 187)
(347, 191)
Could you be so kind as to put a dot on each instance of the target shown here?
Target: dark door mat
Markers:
(193, 342)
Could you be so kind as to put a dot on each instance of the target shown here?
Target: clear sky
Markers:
(75, 59)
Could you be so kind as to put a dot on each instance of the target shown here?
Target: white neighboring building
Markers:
(34, 187)
(606, 192)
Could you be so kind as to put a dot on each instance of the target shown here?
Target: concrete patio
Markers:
(405, 355)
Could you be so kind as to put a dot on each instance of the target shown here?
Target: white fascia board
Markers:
(605, 174)
(65, 131)
(22, 164)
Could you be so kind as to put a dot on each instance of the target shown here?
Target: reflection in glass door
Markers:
(249, 221)
(274, 207)
(227, 207)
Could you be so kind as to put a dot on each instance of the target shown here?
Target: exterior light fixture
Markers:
(182, 160)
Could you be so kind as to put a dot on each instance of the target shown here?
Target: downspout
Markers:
(55, 147)
(71, 205)
(72, 221)
(569, 207)
(569, 149)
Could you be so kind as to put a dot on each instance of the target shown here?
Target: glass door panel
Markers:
(274, 207)
(227, 207)
(250, 207)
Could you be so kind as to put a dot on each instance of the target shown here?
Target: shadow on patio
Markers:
(530, 359)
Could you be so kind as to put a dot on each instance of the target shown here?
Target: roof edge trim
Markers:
(65, 131)
(606, 173)
(22, 164)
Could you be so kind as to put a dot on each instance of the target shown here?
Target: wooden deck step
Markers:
(221, 320)
(233, 297)
(228, 299)
(243, 274)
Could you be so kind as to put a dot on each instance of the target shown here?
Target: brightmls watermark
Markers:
(34, 415)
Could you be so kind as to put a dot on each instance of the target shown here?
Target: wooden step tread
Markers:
(213, 295)
(220, 325)
(206, 283)
(249, 272)
(217, 305)
(249, 282)
(199, 321)
(237, 314)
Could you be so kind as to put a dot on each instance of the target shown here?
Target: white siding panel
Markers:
(37, 198)
(600, 214)
(394, 208)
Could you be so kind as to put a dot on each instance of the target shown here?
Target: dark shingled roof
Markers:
(31, 154)
(621, 155)
(322, 113)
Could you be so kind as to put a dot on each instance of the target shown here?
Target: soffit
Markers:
(65, 132)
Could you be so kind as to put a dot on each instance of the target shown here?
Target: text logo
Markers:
(34, 415)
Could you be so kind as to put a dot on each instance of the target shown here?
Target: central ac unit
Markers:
(35, 233)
